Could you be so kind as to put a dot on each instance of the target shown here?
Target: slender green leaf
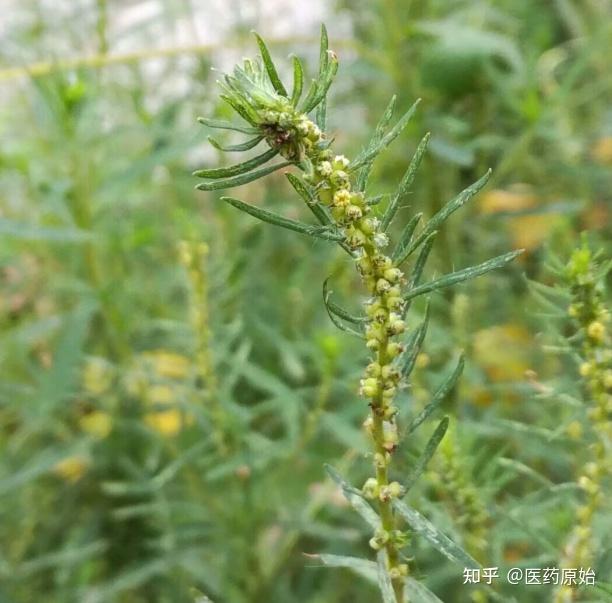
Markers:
(419, 593)
(436, 538)
(324, 83)
(298, 81)
(270, 68)
(379, 132)
(355, 498)
(304, 191)
(413, 347)
(384, 580)
(445, 387)
(429, 451)
(406, 237)
(362, 567)
(405, 183)
(221, 124)
(338, 311)
(239, 168)
(321, 115)
(267, 216)
(244, 146)
(463, 275)
(241, 179)
(323, 51)
(375, 200)
(419, 265)
(452, 206)
(333, 316)
(372, 152)
(245, 111)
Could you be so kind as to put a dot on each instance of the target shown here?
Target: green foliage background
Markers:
(180, 477)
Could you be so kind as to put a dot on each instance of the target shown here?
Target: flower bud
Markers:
(596, 331)
(382, 285)
(353, 213)
(370, 489)
(394, 349)
(393, 274)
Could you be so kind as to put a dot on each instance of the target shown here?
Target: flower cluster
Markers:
(592, 320)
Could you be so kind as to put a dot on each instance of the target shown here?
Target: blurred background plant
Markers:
(163, 425)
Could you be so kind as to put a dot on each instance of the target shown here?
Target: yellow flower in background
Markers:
(166, 422)
(529, 232)
(96, 423)
(97, 376)
(169, 364)
(526, 231)
(71, 469)
(498, 200)
(602, 150)
(500, 351)
(160, 394)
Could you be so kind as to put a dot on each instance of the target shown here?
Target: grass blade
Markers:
(463, 275)
(405, 183)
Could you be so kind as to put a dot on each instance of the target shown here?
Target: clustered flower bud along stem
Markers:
(334, 190)
(592, 320)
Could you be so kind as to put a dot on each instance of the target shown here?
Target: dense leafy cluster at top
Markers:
(334, 190)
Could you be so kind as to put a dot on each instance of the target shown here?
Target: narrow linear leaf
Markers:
(413, 346)
(245, 146)
(463, 275)
(385, 141)
(309, 197)
(384, 580)
(363, 567)
(245, 111)
(354, 497)
(375, 200)
(323, 51)
(419, 593)
(324, 83)
(406, 237)
(452, 206)
(428, 453)
(269, 65)
(440, 541)
(379, 132)
(405, 183)
(321, 115)
(271, 218)
(214, 185)
(445, 387)
(339, 311)
(310, 95)
(298, 81)
(333, 316)
(239, 168)
(419, 265)
(221, 124)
